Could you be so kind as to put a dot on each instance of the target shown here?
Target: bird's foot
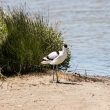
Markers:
(57, 81)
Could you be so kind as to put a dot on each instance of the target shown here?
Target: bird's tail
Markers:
(45, 61)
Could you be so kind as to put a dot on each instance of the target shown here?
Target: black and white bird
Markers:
(56, 58)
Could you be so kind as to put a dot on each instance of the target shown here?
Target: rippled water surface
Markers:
(85, 25)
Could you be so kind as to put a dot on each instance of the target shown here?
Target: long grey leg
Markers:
(57, 74)
(53, 72)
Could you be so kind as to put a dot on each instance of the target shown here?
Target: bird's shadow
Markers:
(69, 83)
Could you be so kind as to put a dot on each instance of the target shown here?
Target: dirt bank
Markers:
(39, 93)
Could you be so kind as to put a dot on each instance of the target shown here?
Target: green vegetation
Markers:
(26, 42)
(3, 29)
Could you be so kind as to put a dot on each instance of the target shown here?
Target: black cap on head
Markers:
(65, 45)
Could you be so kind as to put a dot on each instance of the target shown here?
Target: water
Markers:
(85, 25)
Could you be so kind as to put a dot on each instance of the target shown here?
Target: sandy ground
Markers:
(39, 93)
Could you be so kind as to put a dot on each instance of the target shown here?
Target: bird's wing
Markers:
(50, 57)
(53, 55)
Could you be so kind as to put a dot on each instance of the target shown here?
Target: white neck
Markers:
(64, 49)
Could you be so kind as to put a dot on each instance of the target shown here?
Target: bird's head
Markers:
(65, 45)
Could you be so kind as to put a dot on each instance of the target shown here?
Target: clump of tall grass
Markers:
(3, 29)
(27, 41)
(3, 32)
